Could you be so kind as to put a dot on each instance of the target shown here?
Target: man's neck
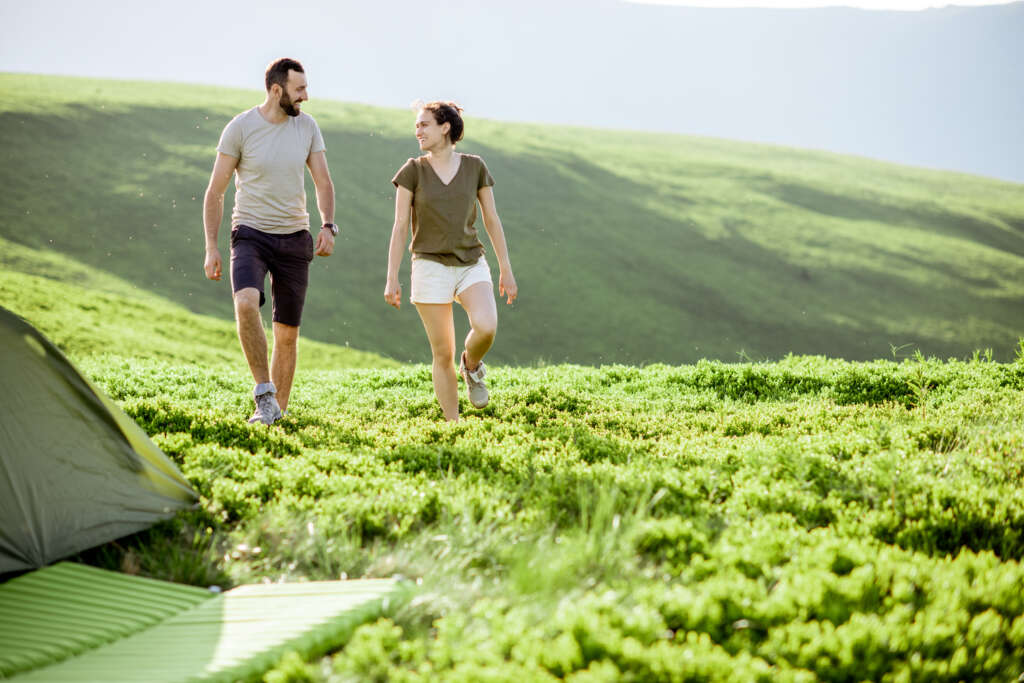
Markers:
(272, 112)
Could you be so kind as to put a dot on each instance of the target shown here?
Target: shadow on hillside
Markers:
(1008, 238)
(604, 277)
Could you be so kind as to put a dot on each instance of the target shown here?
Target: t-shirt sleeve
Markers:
(485, 179)
(407, 176)
(317, 143)
(231, 139)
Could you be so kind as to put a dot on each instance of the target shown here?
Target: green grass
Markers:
(85, 312)
(803, 520)
(628, 247)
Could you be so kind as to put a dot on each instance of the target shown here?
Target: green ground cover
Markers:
(631, 248)
(807, 519)
(801, 520)
(87, 311)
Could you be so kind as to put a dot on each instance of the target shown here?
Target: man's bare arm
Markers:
(317, 163)
(213, 211)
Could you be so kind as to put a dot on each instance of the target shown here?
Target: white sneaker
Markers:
(475, 384)
(267, 410)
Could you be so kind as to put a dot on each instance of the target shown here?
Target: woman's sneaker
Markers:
(267, 410)
(475, 384)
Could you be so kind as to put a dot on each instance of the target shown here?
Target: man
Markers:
(267, 148)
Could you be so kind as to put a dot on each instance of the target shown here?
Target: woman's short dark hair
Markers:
(447, 112)
(277, 72)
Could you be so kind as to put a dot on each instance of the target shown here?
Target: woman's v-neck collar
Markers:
(454, 175)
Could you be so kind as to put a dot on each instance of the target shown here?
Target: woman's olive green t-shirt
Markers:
(443, 215)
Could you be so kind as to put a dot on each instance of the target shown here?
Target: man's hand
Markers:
(393, 294)
(212, 265)
(324, 242)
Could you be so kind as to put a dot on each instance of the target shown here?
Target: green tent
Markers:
(75, 471)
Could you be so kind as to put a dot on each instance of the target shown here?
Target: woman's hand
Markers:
(393, 293)
(507, 286)
(403, 208)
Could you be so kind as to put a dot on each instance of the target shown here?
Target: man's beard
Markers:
(288, 106)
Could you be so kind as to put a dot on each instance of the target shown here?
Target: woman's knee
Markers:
(443, 353)
(486, 329)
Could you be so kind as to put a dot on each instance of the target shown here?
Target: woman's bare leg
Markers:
(437, 321)
(478, 300)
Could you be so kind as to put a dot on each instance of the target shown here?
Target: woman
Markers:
(439, 191)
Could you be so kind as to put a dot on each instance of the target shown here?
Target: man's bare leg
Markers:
(251, 334)
(282, 361)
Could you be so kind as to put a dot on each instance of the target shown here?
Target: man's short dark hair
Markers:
(277, 72)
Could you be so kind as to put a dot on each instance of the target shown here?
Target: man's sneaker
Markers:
(267, 410)
(475, 383)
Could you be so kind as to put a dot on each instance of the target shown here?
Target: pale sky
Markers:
(933, 88)
(898, 5)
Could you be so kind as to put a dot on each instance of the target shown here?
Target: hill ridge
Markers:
(630, 248)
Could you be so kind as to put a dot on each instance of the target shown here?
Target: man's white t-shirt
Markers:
(270, 189)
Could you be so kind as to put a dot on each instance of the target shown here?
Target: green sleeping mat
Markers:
(70, 622)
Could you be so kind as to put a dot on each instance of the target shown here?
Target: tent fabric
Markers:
(49, 615)
(231, 636)
(75, 471)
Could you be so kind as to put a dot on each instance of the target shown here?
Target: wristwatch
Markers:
(332, 227)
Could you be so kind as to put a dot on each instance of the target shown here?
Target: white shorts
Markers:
(436, 283)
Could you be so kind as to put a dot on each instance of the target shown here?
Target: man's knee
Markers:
(286, 335)
(247, 301)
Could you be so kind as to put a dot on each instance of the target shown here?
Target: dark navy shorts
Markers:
(255, 253)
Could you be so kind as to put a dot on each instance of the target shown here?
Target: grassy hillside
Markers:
(628, 247)
(804, 520)
(87, 312)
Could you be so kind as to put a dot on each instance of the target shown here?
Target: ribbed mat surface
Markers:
(63, 610)
(236, 635)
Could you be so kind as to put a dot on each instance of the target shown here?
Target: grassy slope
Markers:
(804, 520)
(88, 312)
(628, 247)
